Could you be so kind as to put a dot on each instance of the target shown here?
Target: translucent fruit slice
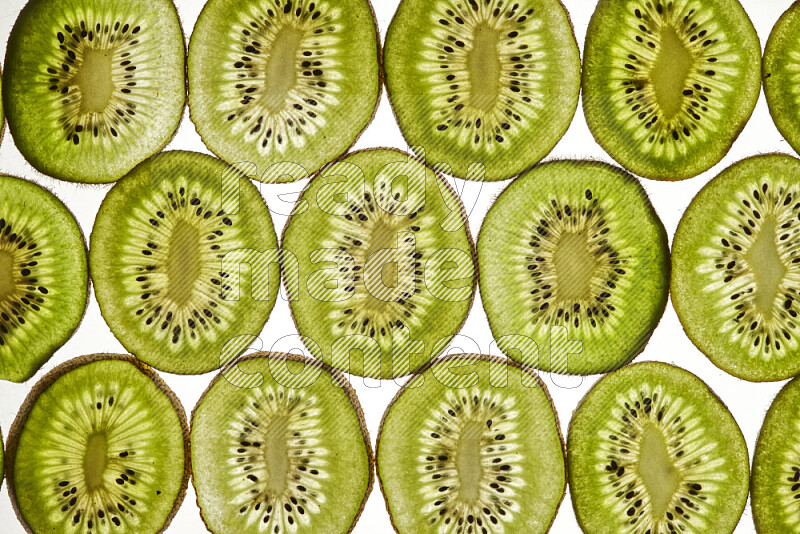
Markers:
(652, 449)
(93, 87)
(167, 256)
(44, 281)
(279, 444)
(668, 85)
(574, 268)
(482, 82)
(472, 442)
(379, 264)
(100, 445)
(781, 72)
(735, 269)
(274, 82)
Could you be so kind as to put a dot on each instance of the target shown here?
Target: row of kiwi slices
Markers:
(470, 444)
(486, 88)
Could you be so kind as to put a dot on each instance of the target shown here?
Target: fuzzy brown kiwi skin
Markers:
(473, 252)
(341, 381)
(56, 373)
(477, 358)
(381, 84)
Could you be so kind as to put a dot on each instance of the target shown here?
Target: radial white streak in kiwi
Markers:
(694, 453)
(501, 474)
(789, 490)
(707, 87)
(444, 64)
(249, 472)
(128, 427)
(761, 334)
(261, 121)
(793, 67)
(61, 72)
(537, 247)
(145, 275)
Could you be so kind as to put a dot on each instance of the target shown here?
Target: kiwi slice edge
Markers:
(779, 77)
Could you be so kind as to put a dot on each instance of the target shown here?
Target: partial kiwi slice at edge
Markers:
(279, 444)
(472, 442)
(484, 87)
(669, 85)
(93, 87)
(781, 75)
(651, 448)
(99, 445)
(734, 269)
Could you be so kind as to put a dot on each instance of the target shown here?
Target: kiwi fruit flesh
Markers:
(734, 269)
(781, 75)
(275, 82)
(44, 280)
(669, 84)
(776, 465)
(99, 445)
(289, 453)
(378, 263)
(93, 87)
(490, 83)
(574, 268)
(471, 444)
(652, 449)
(185, 262)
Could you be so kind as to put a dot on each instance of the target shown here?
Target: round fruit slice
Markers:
(276, 82)
(44, 281)
(652, 449)
(100, 445)
(781, 72)
(93, 87)
(166, 253)
(472, 444)
(379, 264)
(735, 269)
(2, 115)
(668, 85)
(776, 465)
(288, 454)
(574, 268)
(486, 82)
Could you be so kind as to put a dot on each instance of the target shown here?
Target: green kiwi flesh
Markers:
(93, 87)
(652, 449)
(482, 82)
(283, 81)
(379, 264)
(170, 251)
(283, 450)
(776, 465)
(44, 280)
(734, 269)
(782, 75)
(574, 268)
(472, 444)
(669, 84)
(99, 445)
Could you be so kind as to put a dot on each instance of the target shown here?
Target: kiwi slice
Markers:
(276, 82)
(379, 264)
(782, 75)
(93, 87)
(471, 444)
(652, 449)
(166, 253)
(44, 281)
(775, 479)
(288, 454)
(99, 445)
(574, 268)
(734, 269)
(2, 115)
(669, 84)
(490, 83)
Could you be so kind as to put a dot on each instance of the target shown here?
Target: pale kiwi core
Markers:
(768, 268)
(94, 80)
(669, 72)
(659, 475)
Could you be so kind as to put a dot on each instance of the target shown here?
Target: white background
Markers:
(747, 401)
